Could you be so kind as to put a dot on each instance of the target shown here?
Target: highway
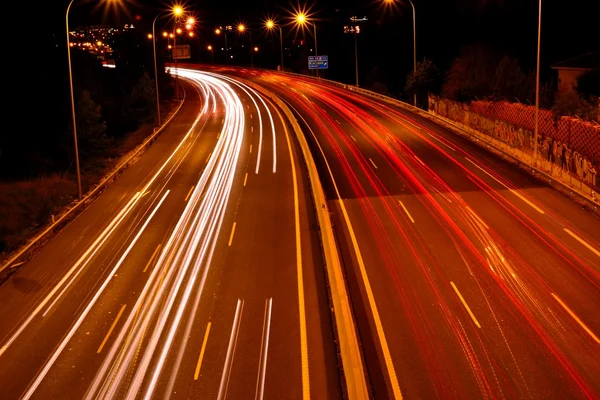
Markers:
(468, 277)
(197, 274)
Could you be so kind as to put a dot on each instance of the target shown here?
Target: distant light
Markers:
(255, 48)
(178, 30)
(169, 47)
(209, 47)
(191, 34)
(71, 44)
(301, 18)
(270, 24)
(171, 35)
(191, 21)
(177, 10)
(218, 31)
(188, 26)
(230, 56)
(241, 27)
(99, 43)
(165, 34)
(149, 36)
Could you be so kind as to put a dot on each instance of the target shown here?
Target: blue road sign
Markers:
(318, 62)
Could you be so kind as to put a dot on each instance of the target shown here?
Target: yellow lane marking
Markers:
(189, 194)
(245, 179)
(197, 372)
(515, 192)
(208, 158)
(373, 163)
(301, 305)
(112, 327)
(576, 318)
(151, 258)
(250, 148)
(387, 356)
(406, 211)
(464, 303)
(583, 242)
(232, 233)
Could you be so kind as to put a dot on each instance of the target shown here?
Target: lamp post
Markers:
(73, 105)
(218, 31)
(155, 66)
(212, 53)
(241, 29)
(414, 43)
(537, 87)
(302, 19)
(270, 25)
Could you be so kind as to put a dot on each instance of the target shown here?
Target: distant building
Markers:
(569, 70)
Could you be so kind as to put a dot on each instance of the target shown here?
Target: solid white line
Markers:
(79, 321)
(230, 350)
(583, 242)
(353, 138)
(264, 350)
(513, 191)
(373, 163)
(406, 211)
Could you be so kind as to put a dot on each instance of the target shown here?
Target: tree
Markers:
(588, 84)
(142, 100)
(471, 74)
(376, 81)
(91, 129)
(510, 83)
(427, 79)
(571, 103)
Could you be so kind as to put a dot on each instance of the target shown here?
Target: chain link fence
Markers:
(568, 148)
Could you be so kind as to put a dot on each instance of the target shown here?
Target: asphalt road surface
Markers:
(197, 274)
(468, 277)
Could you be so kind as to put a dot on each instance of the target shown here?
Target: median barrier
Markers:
(349, 348)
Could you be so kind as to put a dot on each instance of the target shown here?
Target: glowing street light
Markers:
(178, 30)
(217, 31)
(171, 36)
(271, 25)
(209, 47)
(391, 2)
(255, 48)
(188, 26)
(241, 28)
(149, 36)
(177, 11)
(165, 34)
(191, 21)
(302, 19)
(191, 34)
(169, 47)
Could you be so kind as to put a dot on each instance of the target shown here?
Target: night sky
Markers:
(443, 27)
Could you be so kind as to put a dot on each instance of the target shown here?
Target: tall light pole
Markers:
(301, 20)
(537, 87)
(218, 31)
(155, 67)
(390, 2)
(79, 195)
(212, 53)
(242, 29)
(270, 25)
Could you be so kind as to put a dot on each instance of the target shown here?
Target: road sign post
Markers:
(318, 62)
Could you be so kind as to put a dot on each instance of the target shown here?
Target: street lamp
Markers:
(271, 25)
(301, 20)
(414, 44)
(242, 29)
(218, 31)
(176, 11)
(537, 87)
(212, 53)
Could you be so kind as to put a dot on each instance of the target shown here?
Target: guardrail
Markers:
(350, 351)
(25, 253)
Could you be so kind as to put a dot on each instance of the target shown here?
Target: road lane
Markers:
(475, 233)
(127, 322)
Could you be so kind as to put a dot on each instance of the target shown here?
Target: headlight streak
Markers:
(247, 88)
(517, 289)
(183, 264)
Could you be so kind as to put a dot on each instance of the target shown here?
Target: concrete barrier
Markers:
(24, 254)
(350, 351)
